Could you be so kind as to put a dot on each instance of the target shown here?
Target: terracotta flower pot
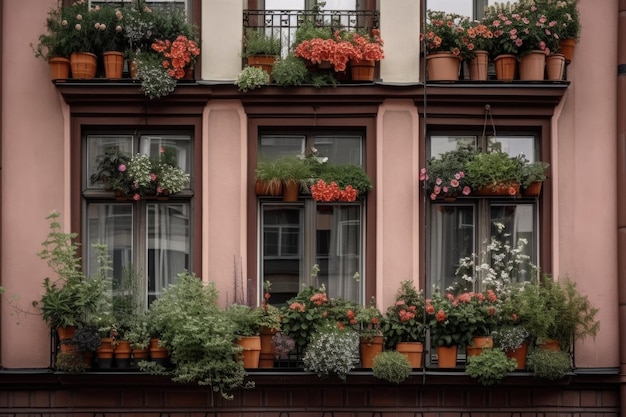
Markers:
(443, 66)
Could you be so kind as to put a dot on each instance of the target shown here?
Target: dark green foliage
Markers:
(290, 71)
(258, 42)
(198, 336)
(87, 339)
(345, 175)
(490, 367)
(549, 364)
(392, 366)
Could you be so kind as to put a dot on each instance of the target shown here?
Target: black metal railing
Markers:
(282, 24)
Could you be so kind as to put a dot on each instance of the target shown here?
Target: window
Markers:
(458, 229)
(295, 237)
(152, 235)
(472, 8)
(152, 4)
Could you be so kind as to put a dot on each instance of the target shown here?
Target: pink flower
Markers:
(121, 168)
(466, 190)
(438, 181)
(136, 197)
(454, 183)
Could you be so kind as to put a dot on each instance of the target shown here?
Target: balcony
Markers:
(282, 24)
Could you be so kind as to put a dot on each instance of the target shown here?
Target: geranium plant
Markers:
(444, 32)
(366, 47)
(367, 320)
(332, 192)
(404, 320)
(178, 54)
(445, 175)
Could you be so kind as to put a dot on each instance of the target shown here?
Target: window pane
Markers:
(169, 244)
(110, 224)
(509, 223)
(462, 7)
(282, 250)
(338, 254)
(340, 149)
(514, 145)
(452, 237)
(97, 145)
(275, 146)
(175, 148)
(443, 144)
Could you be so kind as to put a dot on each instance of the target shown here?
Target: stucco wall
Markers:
(585, 211)
(34, 181)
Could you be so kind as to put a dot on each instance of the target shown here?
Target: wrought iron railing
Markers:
(282, 24)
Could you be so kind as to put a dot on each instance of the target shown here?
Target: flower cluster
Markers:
(178, 54)
(341, 48)
(519, 28)
(444, 32)
(444, 176)
(140, 175)
(478, 36)
(366, 47)
(331, 192)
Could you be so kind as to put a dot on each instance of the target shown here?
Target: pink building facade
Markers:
(578, 126)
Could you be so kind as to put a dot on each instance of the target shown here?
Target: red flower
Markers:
(441, 316)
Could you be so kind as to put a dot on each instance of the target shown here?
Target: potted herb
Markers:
(246, 331)
(555, 310)
(138, 336)
(391, 366)
(490, 367)
(532, 176)
(368, 322)
(494, 172)
(52, 46)
(332, 351)
(290, 71)
(261, 49)
(549, 364)
(251, 78)
(290, 171)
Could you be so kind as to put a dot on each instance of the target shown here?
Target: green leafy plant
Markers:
(198, 336)
(258, 42)
(332, 351)
(346, 175)
(404, 320)
(552, 309)
(368, 321)
(70, 298)
(490, 367)
(251, 78)
(532, 172)
(290, 71)
(549, 364)
(269, 316)
(391, 366)
(138, 334)
(489, 169)
(245, 318)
